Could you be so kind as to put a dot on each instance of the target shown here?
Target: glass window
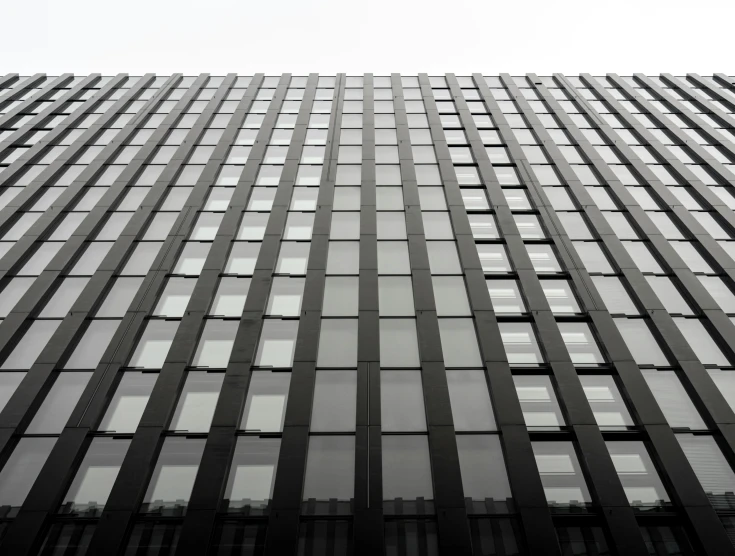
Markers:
(154, 344)
(406, 468)
(642, 257)
(720, 291)
(701, 342)
(128, 402)
(174, 475)
(519, 341)
(538, 402)
(450, 296)
(345, 225)
(292, 257)
(395, 296)
(484, 477)
(393, 257)
(493, 257)
(669, 295)
(206, 226)
(265, 406)
(402, 401)
(93, 482)
(93, 344)
(691, 256)
(470, 400)
(252, 472)
(277, 343)
(21, 470)
(338, 343)
(340, 296)
(12, 293)
(334, 406)
(192, 258)
(120, 297)
(64, 297)
(543, 258)
(606, 402)
(330, 469)
(560, 295)
(459, 343)
(711, 467)
(298, 225)
(9, 383)
(432, 198)
(285, 296)
(253, 225)
(580, 343)
(561, 474)
(641, 342)
(57, 406)
(592, 256)
(389, 198)
(505, 296)
(437, 225)
(229, 301)
(197, 401)
(31, 344)
(636, 472)
(145, 254)
(343, 257)
(673, 399)
(614, 294)
(391, 225)
(398, 343)
(346, 198)
(443, 257)
(175, 297)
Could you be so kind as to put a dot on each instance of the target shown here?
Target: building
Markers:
(400, 315)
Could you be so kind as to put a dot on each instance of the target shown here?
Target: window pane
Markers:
(340, 296)
(252, 473)
(484, 479)
(720, 291)
(128, 403)
(120, 297)
(153, 346)
(395, 296)
(673, 399)
(493, 258)
(277, 343)
(292, 258)
(580, 343)
(450, 296)
(393, 257)
(459, 343)
(616, 297)
(22, 469)
(519, 341)
(338, 343)
(93, 482)
(711, 468)
(543, 258)
(669, 295)
(560, 295)
(31, 344)
(243, 256)
(11, 294)
(641, 342)
(561, 475)
(330, 469)
(57, 406)
(606, 402)
(402, 401)
(64, 297)
(175, 297)
(470, 399)
(638, 475)
(9, 383)
(197, 401)
(343, 257)
(265, 406)
(701, 342)
(230, 298)
(406, 469)
(173, 476)
(285, 297)
(398, 343)
(505, 296)
(443, 257)
(93, 344)
(538, 402)
(334, 406)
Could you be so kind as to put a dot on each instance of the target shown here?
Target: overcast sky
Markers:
(379, 36)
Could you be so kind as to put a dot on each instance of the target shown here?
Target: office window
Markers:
(636, 472)
(22, 469)
(538, 402)
(343, 257)
(395, 296)
(493, 258)
(673, 399)
(330, 469)
(560, 296)
(580, 343)
(64, 297)
(521, 346)
(561, 475)
(470, 400)
(265, 405)
(197, 401)
(398, 343)
(484, 478)
(505, 296)
(252, 473)
(119, 298)
(285, 297)
(277, 343)
(334, 405)
(450, 296)
(337, 343)
(711, 467)
(128, 402)
(701, 342)
(406, 469)
(154, 344)
(93, 482)
(606, 402)
(392, 258)
(669, 295)
(173, 476)
(229, 301)
(175, 297)
(459, 343)
(615, 295)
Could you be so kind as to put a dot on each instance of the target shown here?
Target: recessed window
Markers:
(229, 301)
(154, 344)
(285, 297)
(561, 475)
(636, 472)
(265, 405)
(31, 344)
(330, 469)
(341, 296)
(215, 344)
(398, 343)
(402, 401)
(580, 343)
(175, 297)
(406, 469)
(606, 402)
(505, 296)
(519, 341)
(334, 406)
(128, 402)
(484, 478)
(252, 473)
(173, 476)
(22, 469)
(277, 343)
(470, 400)
(57, 406)
(538, 402)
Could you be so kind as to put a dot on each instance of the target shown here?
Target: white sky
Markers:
(379, 36)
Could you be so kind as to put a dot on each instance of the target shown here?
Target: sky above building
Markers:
(381, 36)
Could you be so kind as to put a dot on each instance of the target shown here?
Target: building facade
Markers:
(336, 315)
